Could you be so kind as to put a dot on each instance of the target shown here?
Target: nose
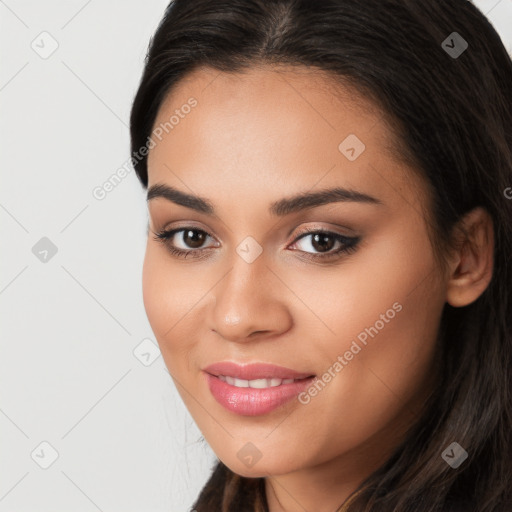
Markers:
(250, 303)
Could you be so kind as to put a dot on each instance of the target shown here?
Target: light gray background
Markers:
(73, 372)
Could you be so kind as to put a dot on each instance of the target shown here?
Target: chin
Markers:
(260, 469)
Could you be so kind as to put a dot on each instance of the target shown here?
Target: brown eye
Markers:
(189, 244)
(322, 244)
(193, 238)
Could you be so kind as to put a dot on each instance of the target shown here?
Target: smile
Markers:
(255, 383)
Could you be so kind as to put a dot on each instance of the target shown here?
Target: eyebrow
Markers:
(282, 207)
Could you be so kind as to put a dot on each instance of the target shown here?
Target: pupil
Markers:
(321, 242)
(194, 241)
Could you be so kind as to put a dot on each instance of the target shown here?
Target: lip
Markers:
(254, 401)
(254, 371)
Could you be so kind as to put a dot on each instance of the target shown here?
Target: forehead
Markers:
(274, 127)
(276, 96)
(260, 81)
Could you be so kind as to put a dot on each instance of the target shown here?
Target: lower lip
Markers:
(253, 401)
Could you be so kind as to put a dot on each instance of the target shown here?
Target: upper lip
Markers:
(254, 371)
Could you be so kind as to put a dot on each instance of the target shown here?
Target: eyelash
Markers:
(349, 244)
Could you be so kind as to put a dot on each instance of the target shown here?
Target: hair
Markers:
(452, 119)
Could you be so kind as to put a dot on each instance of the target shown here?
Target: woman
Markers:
(327, 272)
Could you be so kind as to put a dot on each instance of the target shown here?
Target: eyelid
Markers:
(350, 233)
(183, 227)
(301, 231)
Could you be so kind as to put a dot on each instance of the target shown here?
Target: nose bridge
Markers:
(247, 300)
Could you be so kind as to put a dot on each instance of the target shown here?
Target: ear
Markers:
(472, 261)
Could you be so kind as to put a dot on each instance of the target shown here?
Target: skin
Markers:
(255, 138)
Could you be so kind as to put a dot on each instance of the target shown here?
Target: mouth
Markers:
(255, 383)
(256, 388)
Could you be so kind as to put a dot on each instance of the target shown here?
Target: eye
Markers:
(192, 240)
(324, 242)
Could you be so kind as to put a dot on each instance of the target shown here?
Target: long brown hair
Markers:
(452, 115)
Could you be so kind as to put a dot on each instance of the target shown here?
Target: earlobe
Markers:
(472, 267)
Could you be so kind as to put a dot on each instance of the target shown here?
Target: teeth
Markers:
(255, 383)
(240, 383)
(263, 383)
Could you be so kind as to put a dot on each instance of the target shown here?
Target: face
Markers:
(341, 288)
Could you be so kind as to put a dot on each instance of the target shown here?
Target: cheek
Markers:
(394, 268)
(154, 292)
(383, 311)
(390, 367)
(169, 295)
